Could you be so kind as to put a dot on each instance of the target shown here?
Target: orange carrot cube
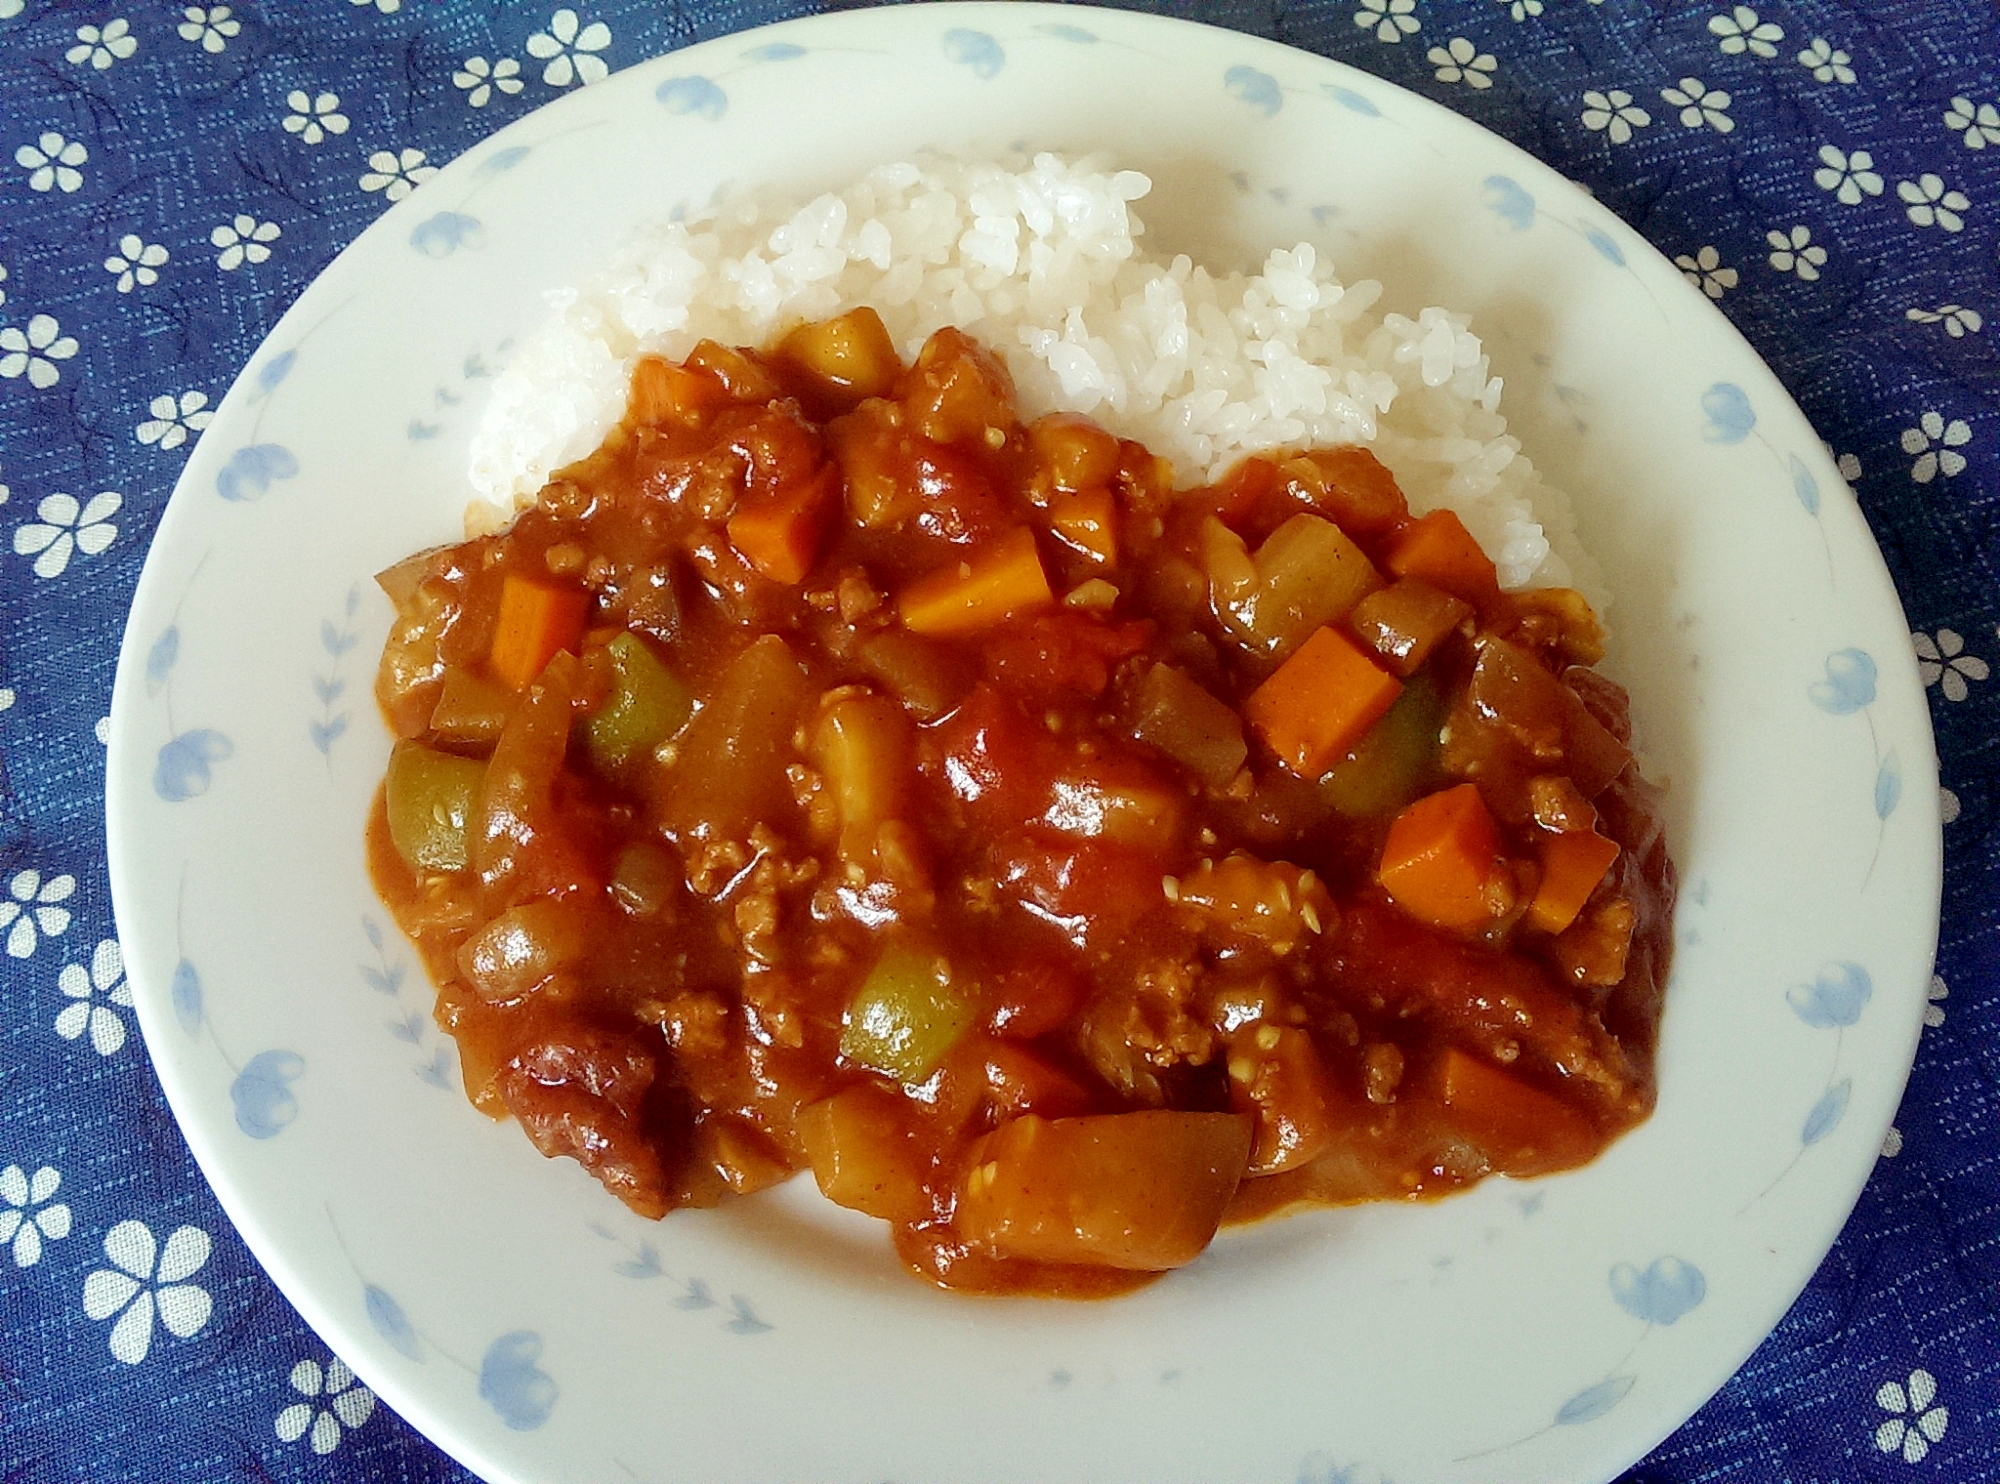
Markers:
(779, 531)
(1441, 861)
(1440, 550)
(1320, 702)
(1572, 865)
(1001, 580)
(536, 621)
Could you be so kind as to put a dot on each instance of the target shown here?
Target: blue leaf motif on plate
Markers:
(513, 1384)
(276, 369)
(437, 1071)
(262, 1093)
(1730, 416)
(1835, 998)
(1888, 786)
(1594, 1401)
(186, 995)
(1827, 1112)
(1507, 200)
(746, 1322)
(1069, 33)
(1350, 100)
(1610, 251)
(696, 95)
(1258, 89)
(774, 51)
(391, 1323)
(975, 49)
(160, 658)
(253, 470)
(1804, 485)
(1849, 683)
(1667, 1289)
(183, 769)
(441, 235)
(503, 160)
(325, 733)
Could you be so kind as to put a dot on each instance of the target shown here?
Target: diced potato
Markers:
(1308, 574)
(847, 358)
(906, 1014)
(1129, 809)
(517, 794)
(1351, 487)
(866, 747)
(881, 494)
(959, 392)
(1275, 1075)
(739, 374)
(1172, 713)
(863, 1154)
(1522, 1129)
(1404, 622)
(646, 705)
(665, 393)
(1272, 902)
(1140, 1191)
(730, 769)
(927, 677)
(1088, 521)
(746, 1160)
(431, 798)
(518, 951)
(1073, 452)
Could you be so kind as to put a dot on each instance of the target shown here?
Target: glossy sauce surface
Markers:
(835, 772)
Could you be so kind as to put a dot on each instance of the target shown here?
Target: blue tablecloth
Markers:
(172, 176)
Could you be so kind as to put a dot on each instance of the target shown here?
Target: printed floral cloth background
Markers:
(1827, 171)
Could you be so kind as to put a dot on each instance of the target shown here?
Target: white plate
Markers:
(525, 1320)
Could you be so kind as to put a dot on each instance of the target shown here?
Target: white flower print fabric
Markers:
(1823, 174)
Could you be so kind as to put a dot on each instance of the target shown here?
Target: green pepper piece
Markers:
(905, 1016)
(646, 705)
(431, 795)
(1394, 759)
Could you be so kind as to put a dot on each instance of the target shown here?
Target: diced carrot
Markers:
(780, 530)
(1440, 550)
(1319, 702)
(536, 620)
(1275, 1075)
(1087, 520)
(1522, 1129)
(665, 393)
(1441, 860)
(1004, 579)
(1572, 865)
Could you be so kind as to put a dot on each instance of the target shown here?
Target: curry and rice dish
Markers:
(843, 769)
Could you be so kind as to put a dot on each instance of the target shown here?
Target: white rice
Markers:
(1044, 265)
